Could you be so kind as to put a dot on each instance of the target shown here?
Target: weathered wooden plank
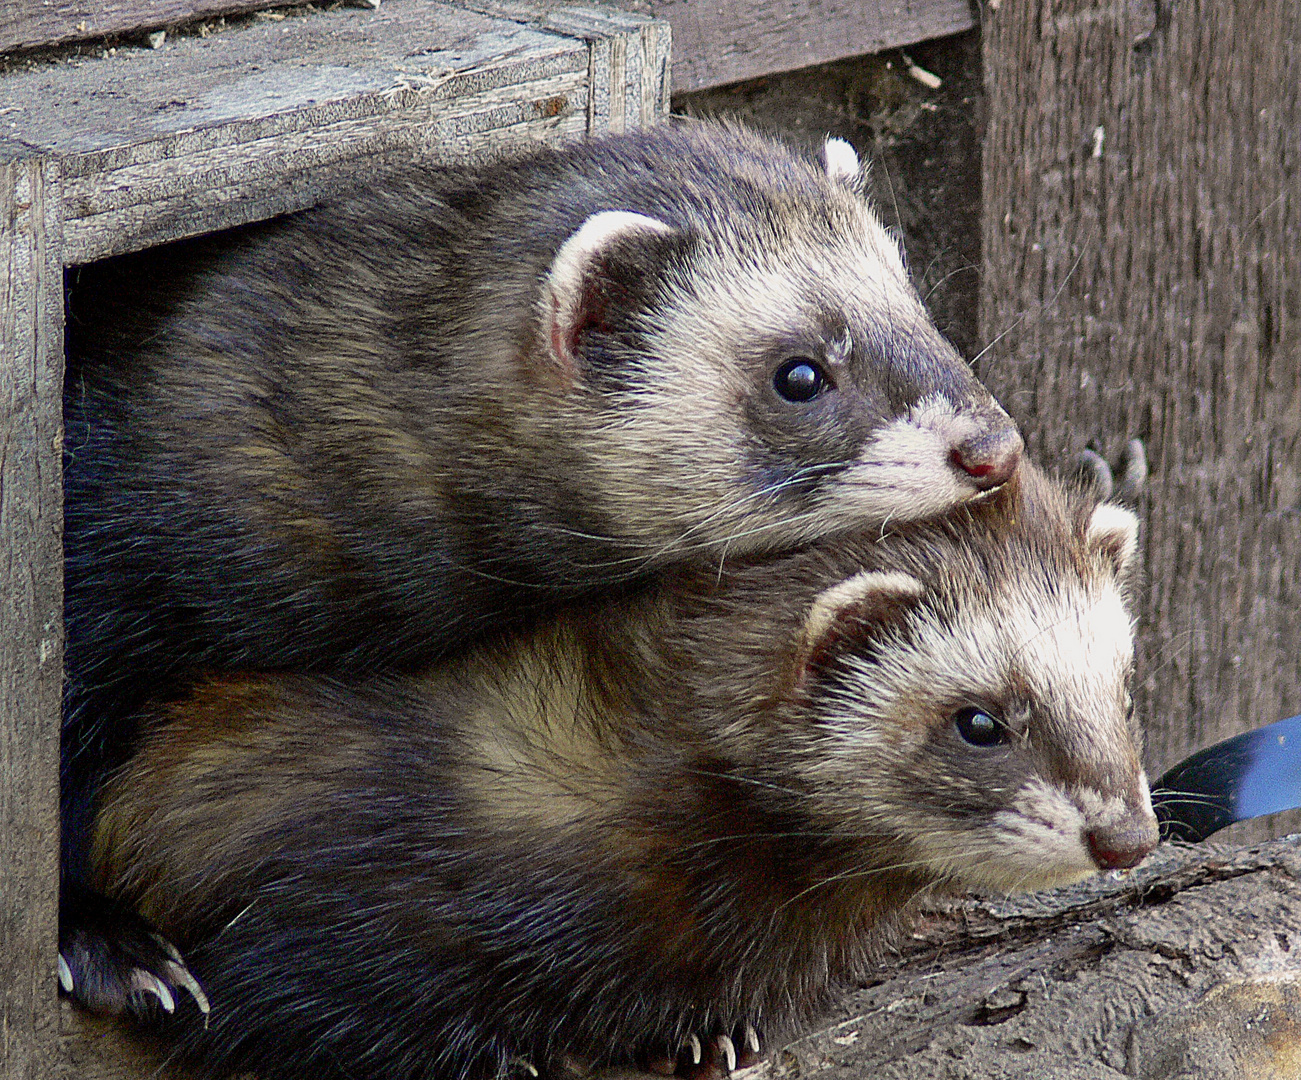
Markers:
(630, 76)
(722, 43)
(31, 606)
(25, 24)
(149, 203)
(1142, 254)
(716, 44)
(211, 132)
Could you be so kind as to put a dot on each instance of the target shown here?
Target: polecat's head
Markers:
(968, 702)
(743, 329)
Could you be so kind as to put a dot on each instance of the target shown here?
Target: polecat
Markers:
(659, 823)
(349, 438)
(353, 439)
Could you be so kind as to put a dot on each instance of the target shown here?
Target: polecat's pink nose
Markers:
(1119, 848)
(990, 458)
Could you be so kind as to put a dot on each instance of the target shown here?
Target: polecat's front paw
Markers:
(710, 1058)
(1124, 482)
(113, 962)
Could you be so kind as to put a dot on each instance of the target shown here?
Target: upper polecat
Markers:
(351, 439)
(659, 823)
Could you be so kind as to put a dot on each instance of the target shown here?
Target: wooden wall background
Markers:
(1142, 257)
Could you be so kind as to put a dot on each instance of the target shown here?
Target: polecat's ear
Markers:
(870, 599)
(1113, 532)
(842, 164)
(578, 286)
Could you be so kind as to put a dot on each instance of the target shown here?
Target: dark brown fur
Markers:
(674, 814)
(353, 439)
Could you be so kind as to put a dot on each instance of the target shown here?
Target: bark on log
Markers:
(1189, 967)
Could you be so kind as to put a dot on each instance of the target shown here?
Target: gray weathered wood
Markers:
(1185, 969)
(723, 43)
(1142, 254)
(206, 133)
(716, 44)
(31, 606)
(25, 24)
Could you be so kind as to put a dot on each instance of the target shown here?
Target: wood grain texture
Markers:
(716, 43)
(31, 604)
(1142, 257)
(25, 24)
(1184, 969)
(635, 60)
(205, 133)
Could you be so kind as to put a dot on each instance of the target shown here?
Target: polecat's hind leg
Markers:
(113, 962)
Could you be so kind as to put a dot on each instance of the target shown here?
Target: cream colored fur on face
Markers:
(1067, 645)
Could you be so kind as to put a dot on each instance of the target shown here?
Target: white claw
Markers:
(65, 975)
(148, 983)
(728, 1051)
(693, 1044)
(751, 1039)
(180, 975)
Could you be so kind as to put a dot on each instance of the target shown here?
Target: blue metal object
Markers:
(1240, 778)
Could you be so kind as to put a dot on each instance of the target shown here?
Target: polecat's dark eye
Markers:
(979, 728)
(800, 379)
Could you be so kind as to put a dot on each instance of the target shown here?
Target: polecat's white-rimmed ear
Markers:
(841, 162)
(572, 297)
(1113, 531)
(870, 598)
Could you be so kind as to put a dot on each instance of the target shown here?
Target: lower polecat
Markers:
(660, 823)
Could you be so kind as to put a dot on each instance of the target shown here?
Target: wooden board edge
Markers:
(31, 605)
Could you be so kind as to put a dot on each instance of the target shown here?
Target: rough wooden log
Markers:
(1189, 967)
(1142, 277)
(31, 605)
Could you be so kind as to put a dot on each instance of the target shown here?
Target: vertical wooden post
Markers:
(31, 607)
(1142, 239)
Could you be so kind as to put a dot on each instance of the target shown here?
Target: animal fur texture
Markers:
(657, 823)
(349, 439)
(354, 439)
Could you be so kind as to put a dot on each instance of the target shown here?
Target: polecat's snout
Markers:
(991, 456)
(1123, 845)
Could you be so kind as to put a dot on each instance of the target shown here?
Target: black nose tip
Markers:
(1120, 847)
(991, 458)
